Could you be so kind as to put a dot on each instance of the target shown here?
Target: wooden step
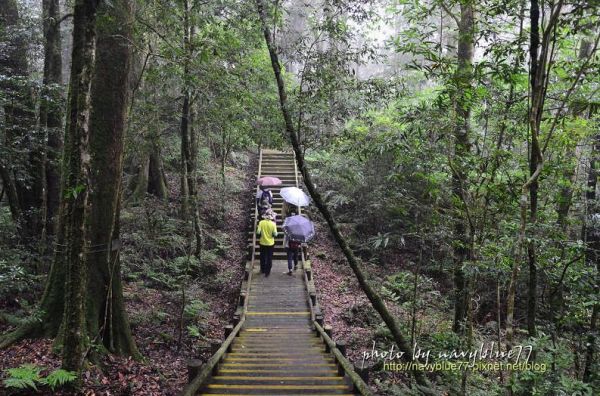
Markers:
(226, 378)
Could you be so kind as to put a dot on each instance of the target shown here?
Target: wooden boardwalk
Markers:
(277, 351)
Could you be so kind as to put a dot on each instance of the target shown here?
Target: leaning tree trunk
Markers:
(51, 109)
(370, 292)
(462, 148)
(105, 312)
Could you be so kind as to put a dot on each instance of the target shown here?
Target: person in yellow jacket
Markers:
(267, 231)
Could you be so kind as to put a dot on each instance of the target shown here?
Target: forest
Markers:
(449, 150)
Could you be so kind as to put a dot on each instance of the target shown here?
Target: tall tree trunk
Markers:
(150, 177)
(535, 158)
(11, 192)
(157, 182)
(105, 312)
(591, 235)
(370, 292)
(539, 58)
(189, 141)
(75, 307)
(24, 146)
(185, 117)
(77, 183)
(462, 149)
(51, 109)
(185, 156)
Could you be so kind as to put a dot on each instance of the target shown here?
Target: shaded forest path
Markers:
(278, 345)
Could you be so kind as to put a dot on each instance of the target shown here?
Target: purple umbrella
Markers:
(268, 181)
(299, 228)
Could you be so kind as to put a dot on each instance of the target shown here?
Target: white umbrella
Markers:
(295, 196)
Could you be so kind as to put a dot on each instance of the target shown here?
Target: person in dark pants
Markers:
(267, 231)
(293, 252)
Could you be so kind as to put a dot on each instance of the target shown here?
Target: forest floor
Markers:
(154, 259)
(346, 307)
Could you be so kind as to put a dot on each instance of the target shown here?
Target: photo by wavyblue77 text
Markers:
(487, 357)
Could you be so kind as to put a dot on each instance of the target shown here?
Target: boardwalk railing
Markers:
(337, 349)
(231, 331)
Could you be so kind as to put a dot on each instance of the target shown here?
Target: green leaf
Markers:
(23, 377)
(59, 378)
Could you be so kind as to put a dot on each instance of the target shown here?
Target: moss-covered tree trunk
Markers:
(77, 184)
(157, 181)
(51, 109)
(105, 312)
(83, 300)
(376, 301)
(150, 177)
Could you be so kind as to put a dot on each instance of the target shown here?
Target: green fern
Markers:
(59, 378)
(194, 331)
(24, 377)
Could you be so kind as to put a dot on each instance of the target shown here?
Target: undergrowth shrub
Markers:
(28, 377)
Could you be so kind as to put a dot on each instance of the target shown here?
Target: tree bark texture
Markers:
(105, 312)
(189, 141)
(51, 109)
(462, 148)
(83, 299)
(77, 183)
(150, 177)
(591, 235)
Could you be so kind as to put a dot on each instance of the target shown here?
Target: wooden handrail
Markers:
(358, 382)
(208, 367)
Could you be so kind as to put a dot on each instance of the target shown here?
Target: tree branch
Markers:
(449, 12)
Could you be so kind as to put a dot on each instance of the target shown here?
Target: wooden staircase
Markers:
(276, 350)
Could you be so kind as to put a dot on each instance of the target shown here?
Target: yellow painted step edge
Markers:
(279, 364)
(274, 371)
(237, 377)
(272, 313)
(287, 394)
(290, 387)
